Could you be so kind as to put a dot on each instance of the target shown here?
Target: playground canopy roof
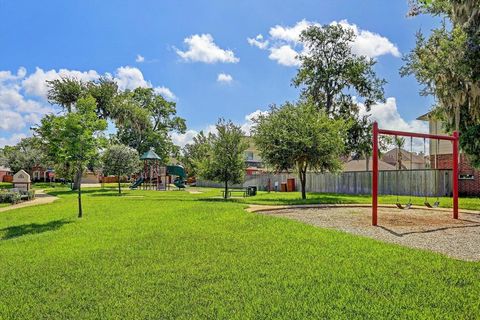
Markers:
(150, 155)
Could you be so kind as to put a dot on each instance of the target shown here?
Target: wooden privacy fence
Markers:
(402, 182)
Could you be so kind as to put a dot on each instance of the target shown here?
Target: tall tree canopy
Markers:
(72, 140)
(301, 138)
(447, 64)
(145, 119)
(330, 73)
(225, 160)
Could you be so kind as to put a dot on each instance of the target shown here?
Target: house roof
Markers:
(360, 165)
(392, 156)
(425, 117)
(150, 155)
(5, 169)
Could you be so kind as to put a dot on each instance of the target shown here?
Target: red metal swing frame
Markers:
(376, 132)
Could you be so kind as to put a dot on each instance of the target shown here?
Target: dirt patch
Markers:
(424, 229)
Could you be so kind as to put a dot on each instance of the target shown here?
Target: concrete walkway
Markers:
(40, 198)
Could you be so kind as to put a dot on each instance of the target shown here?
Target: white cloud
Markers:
(202, 48)
(165, 92)
(284, 55)
(290, 34)
(224, 78)
(12, 139)
(284, 42)
(368, 43)
(130, 78)
(258, 42)
(139, 58)
(11, 120)
(249, 118)
(181, 139)
(388, 117)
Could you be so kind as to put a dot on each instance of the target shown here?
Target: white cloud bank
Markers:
(23, 97)
(224, 78)
(284, 45)
(202, 48)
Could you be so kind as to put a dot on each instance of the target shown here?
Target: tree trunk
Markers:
(303, 180)
(225, 196)
(80, 212)
(77, 180)
(119, 186)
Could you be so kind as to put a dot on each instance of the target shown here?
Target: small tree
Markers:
(225, 160)
(194, 153)
(299, 137)
(72, 140)
(119, 160)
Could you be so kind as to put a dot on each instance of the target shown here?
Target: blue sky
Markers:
(187, 47)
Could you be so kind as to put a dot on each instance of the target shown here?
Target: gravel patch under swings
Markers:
(424, 229)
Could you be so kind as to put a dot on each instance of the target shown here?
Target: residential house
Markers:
(253, 161)
(441, 155)
(409, 160)
(361, 165)
(5, 174)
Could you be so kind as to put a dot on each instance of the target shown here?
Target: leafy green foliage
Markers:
(120, 160)
(447, 64)
(25, 155)
(194, 153)
(144, 120)
(72, 140)
(225, 160)
(330, 73)
(301, 138)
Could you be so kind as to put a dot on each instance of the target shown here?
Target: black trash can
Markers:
(252, 191)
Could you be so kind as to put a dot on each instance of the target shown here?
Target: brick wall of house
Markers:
(467, 187)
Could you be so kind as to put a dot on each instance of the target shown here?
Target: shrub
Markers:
(9, 197)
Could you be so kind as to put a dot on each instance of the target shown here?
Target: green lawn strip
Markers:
(152, 254)
(291, 198)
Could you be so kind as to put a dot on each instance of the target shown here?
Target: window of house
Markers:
(249, 155)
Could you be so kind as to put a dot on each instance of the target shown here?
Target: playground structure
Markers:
(454, 139)
(155, 176)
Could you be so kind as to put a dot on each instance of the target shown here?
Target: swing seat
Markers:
(436, 204)
(406, 207)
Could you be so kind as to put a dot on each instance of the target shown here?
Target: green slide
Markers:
(178, 171)
(137, 183)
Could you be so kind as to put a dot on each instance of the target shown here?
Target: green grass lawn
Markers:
(283, 198)
(163, 255)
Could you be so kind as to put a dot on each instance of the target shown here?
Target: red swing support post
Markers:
(376, 132)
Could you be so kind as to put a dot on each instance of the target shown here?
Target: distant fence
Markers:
(402, 182)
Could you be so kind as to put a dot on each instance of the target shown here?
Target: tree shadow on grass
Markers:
(31, 228)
